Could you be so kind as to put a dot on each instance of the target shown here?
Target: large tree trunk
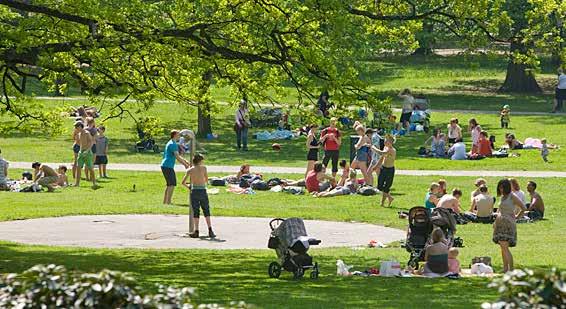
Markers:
(519, 78)
(426, 40)
(204, 119)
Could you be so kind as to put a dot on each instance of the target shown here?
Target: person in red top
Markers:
(330, 138)
(315, 177)
(484, 145)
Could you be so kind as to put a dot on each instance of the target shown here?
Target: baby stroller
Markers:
(418, 235)
(291, 243)
(443, 218)
(145, 143)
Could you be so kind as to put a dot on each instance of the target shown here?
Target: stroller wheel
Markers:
(413, 263)
(314, 273)
(274, 270)
(299, 273)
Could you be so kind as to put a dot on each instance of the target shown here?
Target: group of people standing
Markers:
(371, 156)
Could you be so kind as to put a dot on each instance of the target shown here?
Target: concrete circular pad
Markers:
(168, 231)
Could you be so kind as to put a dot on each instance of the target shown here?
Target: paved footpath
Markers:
(300, 170)
(169, 231)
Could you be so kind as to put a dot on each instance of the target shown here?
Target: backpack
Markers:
(260, 185)
(367, 191)
(244, 183)
(274, 182)
(422, 151)
(218, 182)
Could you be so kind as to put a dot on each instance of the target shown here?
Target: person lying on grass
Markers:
(198, 195)
(530, 143)
(350, 186)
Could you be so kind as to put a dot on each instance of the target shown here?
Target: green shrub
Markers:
(527, 289)
(54, 287)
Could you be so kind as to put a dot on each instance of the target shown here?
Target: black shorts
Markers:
(560, 94)
(101, 160)
(405, 117)
(199, 199)
(76, 148)
(93, 148)
(385, 179)
(334, 155)
(312, 155)
(451, 141)
(169, 175)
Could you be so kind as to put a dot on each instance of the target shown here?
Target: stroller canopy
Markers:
(290, 230)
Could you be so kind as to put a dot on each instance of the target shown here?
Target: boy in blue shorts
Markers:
(199, 198)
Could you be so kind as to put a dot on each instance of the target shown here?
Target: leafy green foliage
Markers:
(524, 288)
(53, 286)
(150, 126)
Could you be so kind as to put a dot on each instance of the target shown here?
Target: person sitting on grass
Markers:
(317, 180)
(535, 209)
(345, 172)
(453, 263)
(349, 187)
(482, 205)
(3, 173)
(45, 176)
(198, 195)
(437, 144)
(442, 190)
(436, 255)
(458, 151)
(451, 201)
(431, 198)
(454, 132)
(484, 145)
(62, 179)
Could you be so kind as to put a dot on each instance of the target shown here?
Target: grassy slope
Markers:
(238, 274)
(222, 152)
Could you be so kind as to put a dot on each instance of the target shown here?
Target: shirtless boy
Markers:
(199, 198)
(85, 157)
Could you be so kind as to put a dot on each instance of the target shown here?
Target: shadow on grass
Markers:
(226, 275)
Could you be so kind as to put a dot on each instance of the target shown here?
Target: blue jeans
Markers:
(242, 137)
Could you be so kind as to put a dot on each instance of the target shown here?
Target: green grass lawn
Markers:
(222, 151)
(242, 274)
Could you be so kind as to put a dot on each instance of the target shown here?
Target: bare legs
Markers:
(168, 195)
(506, 255)
(75, 157)
(102, 170)
(386, 196)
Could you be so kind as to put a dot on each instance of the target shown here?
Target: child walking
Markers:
(544, 150)
(505, 119)
(101, 152)
(199, 198)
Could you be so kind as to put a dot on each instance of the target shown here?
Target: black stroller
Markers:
(444, 219)
(291, 243)
(418, 235)
(146, 143)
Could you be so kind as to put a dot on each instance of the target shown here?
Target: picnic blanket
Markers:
(275, 135)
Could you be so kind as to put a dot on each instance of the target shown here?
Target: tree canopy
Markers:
(144, 50)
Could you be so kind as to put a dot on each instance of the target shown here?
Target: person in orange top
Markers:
(484, 145)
